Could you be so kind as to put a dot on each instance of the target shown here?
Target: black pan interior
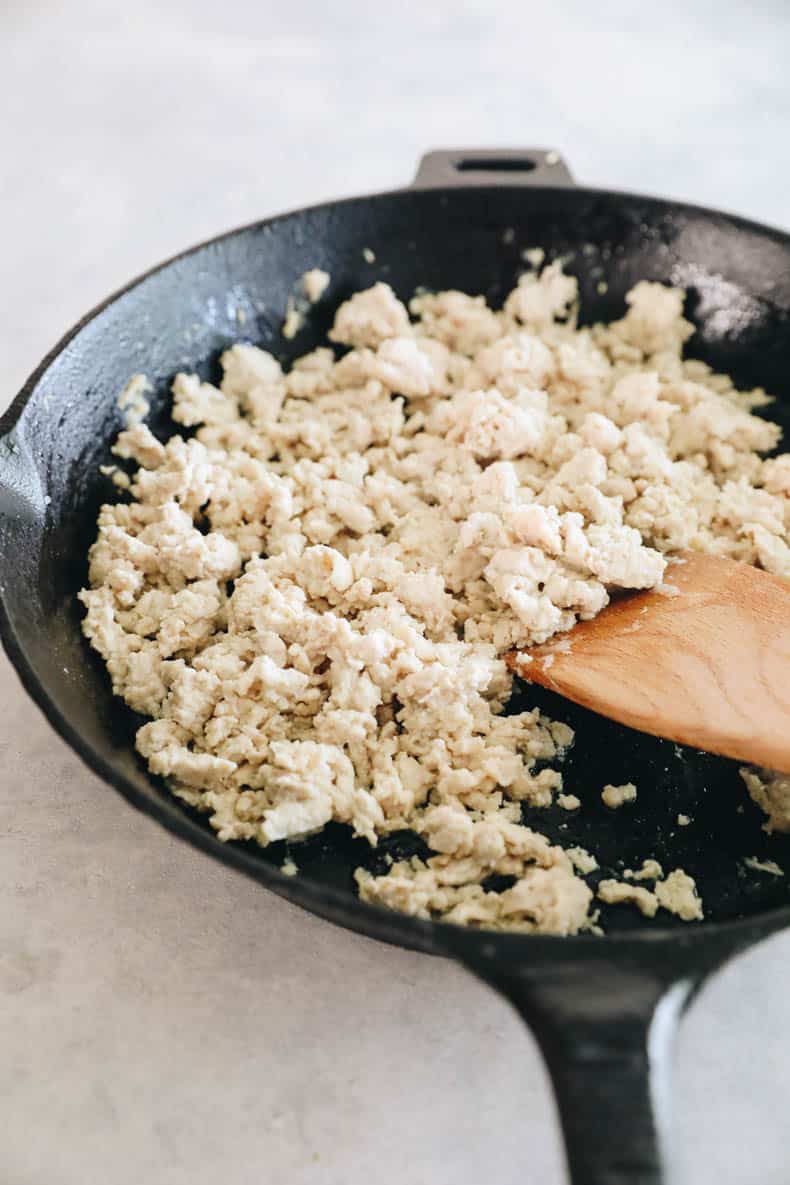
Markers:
(235, 288)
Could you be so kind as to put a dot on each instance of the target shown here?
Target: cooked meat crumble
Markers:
(311, 596)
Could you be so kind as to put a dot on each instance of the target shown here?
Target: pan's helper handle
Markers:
(448, 167)
(606, 1032)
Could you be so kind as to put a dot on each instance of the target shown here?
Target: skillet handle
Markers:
(453, 167)
(606, 1034)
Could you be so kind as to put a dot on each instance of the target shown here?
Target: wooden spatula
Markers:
(705, 660)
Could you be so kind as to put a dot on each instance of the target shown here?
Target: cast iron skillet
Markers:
(602, 1009)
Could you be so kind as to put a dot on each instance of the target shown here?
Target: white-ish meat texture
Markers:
(311, 596)
(771, 791)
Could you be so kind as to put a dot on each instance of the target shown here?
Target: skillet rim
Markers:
(326, 901)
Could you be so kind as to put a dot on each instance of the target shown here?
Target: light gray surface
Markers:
(161, 1019)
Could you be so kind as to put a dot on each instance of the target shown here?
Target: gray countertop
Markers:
(162, 1019)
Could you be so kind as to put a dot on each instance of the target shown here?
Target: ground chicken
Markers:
(311, 595)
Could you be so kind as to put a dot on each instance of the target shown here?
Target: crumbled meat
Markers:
(132, 400)
(315, 283)
(771, 792)
(677, 894)
(651, 870)
(613, 892)
(757, 865)
(293, 320)
(370, 318)
(310, 595)
(550, 900)
(582, 860)
(312, 286)
(617, 796)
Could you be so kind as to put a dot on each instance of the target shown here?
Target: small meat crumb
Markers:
(769, 866)
(315, 283)
(771, 792)
(132, 400)
(569, 802)
(289, 868)
(616, 796)
(294, 319)
(534, 256)
(651, 870)
(678, 895)
(613, 892)
(119, 479)
(683, 820)
(582, 860)
(312, 286)
(369, 255)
